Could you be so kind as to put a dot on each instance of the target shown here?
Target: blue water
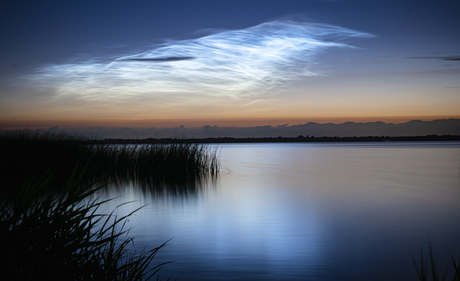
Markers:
(295, 211)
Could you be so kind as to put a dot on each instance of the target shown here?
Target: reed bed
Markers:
(178, 161)
(49, 237)
(31, 153)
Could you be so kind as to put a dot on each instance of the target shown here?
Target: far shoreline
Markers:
(298, 139)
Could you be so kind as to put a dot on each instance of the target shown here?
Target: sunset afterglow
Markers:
(322, 63)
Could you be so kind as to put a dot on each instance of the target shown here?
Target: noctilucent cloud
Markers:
(232, 63)
(254, 62)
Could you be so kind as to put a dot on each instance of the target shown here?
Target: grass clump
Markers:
(49, 237)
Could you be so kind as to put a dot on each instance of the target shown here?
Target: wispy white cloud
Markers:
(231, 64)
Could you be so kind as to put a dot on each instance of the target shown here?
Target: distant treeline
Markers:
(299, 138)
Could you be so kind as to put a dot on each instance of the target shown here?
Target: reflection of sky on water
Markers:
(220, 233)
(325, 211)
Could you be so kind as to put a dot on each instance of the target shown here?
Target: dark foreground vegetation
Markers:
(27, 154)
(48, 237)
(50, 228)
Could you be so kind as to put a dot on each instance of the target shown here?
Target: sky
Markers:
(166, 64)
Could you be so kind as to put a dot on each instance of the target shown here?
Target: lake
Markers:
(306, 211)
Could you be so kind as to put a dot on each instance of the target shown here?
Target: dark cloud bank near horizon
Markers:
(347, 129)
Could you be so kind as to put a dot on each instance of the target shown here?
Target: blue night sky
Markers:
(227, 63)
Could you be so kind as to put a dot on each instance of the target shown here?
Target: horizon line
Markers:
(18, 124)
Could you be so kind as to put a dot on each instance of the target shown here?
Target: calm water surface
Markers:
(294, 211)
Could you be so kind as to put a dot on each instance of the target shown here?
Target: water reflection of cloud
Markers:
(231, 64)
